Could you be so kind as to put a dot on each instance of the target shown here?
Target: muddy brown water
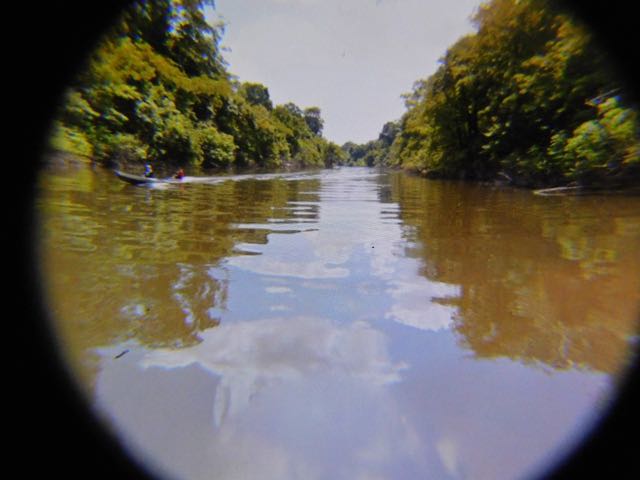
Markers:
(347, 323)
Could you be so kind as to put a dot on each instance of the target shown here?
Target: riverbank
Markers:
(629, 185)
(67, 159)
(529, 99)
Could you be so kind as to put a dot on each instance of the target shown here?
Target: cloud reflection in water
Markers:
(253, 356)
(413, 304)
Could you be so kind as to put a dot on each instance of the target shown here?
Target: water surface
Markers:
(343, 324)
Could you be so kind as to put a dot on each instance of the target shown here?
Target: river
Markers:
(346, 324)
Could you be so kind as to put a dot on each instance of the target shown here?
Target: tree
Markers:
(607, 146)
(334, 155)
(157, 89)
(374, 152)
(505, 99)
(256, 94)
(389, 132)
(314, 120)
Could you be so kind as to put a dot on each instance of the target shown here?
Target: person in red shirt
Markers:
(179, 174)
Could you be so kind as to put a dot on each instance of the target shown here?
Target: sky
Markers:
(351, 58)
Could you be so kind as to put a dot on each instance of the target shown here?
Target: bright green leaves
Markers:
(606, 146)
(175, 136)
(69, 139)
(157, 90)
(514, 99)
(125, 148)
(217, 149)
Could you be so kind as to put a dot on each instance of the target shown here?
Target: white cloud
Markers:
(278, 290)
(251, 356)
(413, 304)
(286, 267)
(448, 453)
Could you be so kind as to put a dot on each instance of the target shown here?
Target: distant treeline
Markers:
(157, 90)
(529, 98)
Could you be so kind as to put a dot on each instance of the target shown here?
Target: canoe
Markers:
(141, 180)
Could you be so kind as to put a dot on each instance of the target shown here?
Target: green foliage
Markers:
(217, 149)
(126, 148)
(70, 140)
(310, 153)
(294, 127)
(375, 152)
(314, 120)
(334, 155)
(256, 94)
(157, 90)
(177, 30)
(606, 146)
(514, 99)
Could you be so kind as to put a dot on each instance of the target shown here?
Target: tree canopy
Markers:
(157, 90)
(530, 96)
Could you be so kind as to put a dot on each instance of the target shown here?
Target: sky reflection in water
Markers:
(334, 350)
